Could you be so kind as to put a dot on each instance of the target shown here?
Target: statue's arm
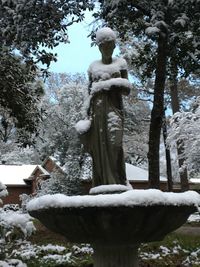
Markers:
(90, 84)
(124, 75)
(89, 92)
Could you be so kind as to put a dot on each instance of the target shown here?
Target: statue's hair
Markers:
(105, 34)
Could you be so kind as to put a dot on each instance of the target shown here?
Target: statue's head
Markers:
(105, 39)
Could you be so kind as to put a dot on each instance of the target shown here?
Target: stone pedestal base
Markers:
(115, 256)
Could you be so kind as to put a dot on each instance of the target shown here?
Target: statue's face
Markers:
(107, 48)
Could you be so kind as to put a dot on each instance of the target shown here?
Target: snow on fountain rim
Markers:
(129, 198)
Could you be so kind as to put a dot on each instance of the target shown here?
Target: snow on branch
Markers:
(152, 30)
(3, 191)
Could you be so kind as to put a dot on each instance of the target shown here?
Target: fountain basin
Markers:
(116, 224)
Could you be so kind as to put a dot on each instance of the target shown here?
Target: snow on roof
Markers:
(15, 174)
(134, 173)
(195, 180)
(44, 172)
(55, 160)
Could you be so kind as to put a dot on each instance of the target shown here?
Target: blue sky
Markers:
(77, 55)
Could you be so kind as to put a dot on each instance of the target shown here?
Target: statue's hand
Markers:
(125, 90)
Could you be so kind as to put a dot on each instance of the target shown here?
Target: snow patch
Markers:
(195, 180)
(194, 217)
(3, 190)
(83, 126)
(109, 189)
(17, 219)
(152, 30)
(59, 259)
(12, 263)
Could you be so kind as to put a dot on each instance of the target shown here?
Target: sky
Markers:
(77, 55)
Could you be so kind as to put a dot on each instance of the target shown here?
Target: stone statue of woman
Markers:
(102, 134)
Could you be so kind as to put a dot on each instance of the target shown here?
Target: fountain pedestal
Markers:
(115, 255)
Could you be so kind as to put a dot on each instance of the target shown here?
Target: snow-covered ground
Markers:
(191, 257)
(194, 217)
(45, 254)
(55, 255)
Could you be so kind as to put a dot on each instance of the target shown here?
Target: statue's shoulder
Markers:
(118, 63)
(94, 66)
(121, 63)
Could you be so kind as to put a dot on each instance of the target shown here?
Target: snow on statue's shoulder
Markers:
(147, 197)
(99, 71)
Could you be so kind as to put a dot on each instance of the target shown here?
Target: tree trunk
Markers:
(168, 156)
(157, 114)
(180, 145)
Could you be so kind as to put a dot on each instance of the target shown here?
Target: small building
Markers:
(138, 178)
(25, 179)
(43, 172)
(14, 177)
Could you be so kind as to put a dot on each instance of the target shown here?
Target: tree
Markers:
(64, 107)
(14, 153)
(3, 191)
(186, 126)
(18, 96)
(167, 24)
(27, 29)
(28, 26)
(16, 143)
(136, 127)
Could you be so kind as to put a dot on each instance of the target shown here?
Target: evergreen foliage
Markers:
(27, 28)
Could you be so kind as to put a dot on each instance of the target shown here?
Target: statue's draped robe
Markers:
(105, 136)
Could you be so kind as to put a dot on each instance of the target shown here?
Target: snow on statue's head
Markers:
(105, 34)
(105, 39)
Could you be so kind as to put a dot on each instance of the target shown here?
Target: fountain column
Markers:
(115, 256)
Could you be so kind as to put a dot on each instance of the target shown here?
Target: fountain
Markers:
(114, 218)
